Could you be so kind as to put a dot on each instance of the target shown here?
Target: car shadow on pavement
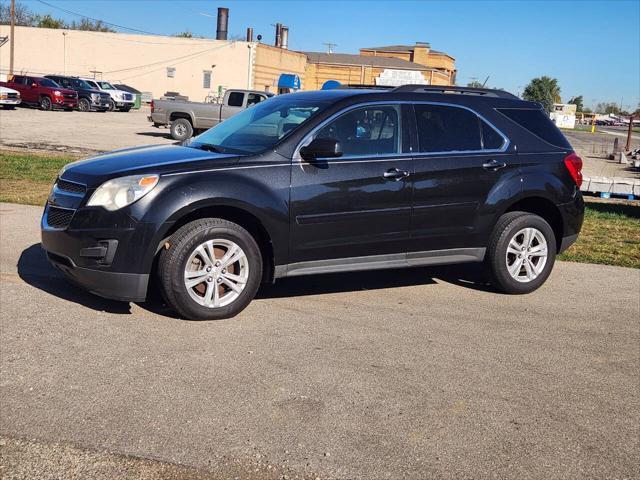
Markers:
(35, 269)
(161, 134)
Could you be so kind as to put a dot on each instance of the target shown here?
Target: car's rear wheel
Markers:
(84, 105)
(45, 103)
(211, 270)
(181, 129)
(125, 109)
(521, 252)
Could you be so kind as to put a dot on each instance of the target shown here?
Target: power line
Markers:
(114, 36)
(95, 19)
(168, 60)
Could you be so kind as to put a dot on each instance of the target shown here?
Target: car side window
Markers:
(443, 128)
(254, 98)
(369, 131)
(235, 99)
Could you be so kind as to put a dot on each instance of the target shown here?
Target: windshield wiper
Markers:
(207, 146)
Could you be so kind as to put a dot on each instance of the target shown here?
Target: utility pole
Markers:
(330, 46)
(627, 148)
(13, 37)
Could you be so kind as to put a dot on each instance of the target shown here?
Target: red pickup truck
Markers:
(43, 92)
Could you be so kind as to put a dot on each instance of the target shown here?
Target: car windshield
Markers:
(106, 86)
(47, 82)
(261, 126)
(82, 84)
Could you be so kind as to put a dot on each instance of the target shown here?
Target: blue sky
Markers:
(591, 47)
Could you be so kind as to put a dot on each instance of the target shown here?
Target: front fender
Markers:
(263, 193)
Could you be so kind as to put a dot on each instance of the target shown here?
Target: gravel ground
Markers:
(423, 373)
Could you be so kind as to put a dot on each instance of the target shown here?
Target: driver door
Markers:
(357, 205)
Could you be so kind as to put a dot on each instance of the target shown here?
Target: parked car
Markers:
(126, 88)
(185, 117)
(9, 98)
(120, 99)
(43, 92)
(317, 182)
(89, 98)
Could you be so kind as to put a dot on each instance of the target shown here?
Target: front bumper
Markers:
(62, 102)
(10, 101)
(100, 104)
(103, 252)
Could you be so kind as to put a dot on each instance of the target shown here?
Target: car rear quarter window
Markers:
(235, 99)
(443, 128)
(537, 122)
(491, 140)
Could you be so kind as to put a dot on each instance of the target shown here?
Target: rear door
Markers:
(460, 158)
(357, 205)
(19, 84)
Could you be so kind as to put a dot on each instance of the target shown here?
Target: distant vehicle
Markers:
(89, 98)
(126, 88)
(43, 92)
(120, 99)
(319, 182)
(186, 117)
(9, 98)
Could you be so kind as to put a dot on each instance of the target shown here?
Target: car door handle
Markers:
(395, 174)
(493, 165)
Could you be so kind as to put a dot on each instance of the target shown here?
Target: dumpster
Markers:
(138, 101)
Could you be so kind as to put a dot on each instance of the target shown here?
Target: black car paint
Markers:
(310, 211)
(67, 82)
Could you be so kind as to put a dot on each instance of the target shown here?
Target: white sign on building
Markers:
(564, 115)
(395, 78)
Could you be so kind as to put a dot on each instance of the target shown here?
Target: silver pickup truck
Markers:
(184, 118)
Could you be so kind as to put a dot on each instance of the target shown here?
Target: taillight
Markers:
(152, 106)
(574, 164)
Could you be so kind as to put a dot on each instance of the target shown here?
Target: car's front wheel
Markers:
(45, 103)
(211, 269)
(521, 252)
(84, 105)
(112, 105)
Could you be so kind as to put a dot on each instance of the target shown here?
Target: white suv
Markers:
(120, 99)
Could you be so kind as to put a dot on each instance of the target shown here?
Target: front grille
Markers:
(12, 95)
(105, 98)
(59, 217)
(71, 187)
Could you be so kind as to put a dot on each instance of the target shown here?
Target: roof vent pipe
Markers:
(284, 37)
(249, 34)
(278, 35)
(223, 23)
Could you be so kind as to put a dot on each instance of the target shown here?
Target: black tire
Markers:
(45, 103)
(507, 226)
(84, 105)
(112, 105)
(8, 107)
(125, 109)
(173, 261)
(181, 129)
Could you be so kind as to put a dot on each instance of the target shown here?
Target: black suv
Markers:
(322, 181)
(88, 97)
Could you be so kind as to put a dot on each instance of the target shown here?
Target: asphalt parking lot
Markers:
(81, 132)
(423, 373)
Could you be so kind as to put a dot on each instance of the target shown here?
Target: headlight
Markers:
(57, 93)
(3, 96)
(95, 97)
(120, 192)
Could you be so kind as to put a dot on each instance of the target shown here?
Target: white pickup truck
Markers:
(185, 117)
(9, 98)
(120, 99)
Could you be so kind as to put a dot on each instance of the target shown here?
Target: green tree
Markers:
(544, 90)
(474, 84)
(608, 107)
(185, 34)
(49, 22)
(578, 102)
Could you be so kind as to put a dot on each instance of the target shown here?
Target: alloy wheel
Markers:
(526, 255)
(216, 273)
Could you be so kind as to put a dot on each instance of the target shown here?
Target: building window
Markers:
(171, 72)
(206, 79)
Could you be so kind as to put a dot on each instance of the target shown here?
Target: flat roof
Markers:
(366, 60)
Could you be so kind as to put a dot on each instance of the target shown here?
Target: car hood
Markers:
(7, 90)
(158, 159)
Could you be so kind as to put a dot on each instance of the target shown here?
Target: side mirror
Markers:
(321, 148)
(34, 85)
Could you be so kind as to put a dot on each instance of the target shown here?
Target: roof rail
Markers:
(484, 92)
(363, 86)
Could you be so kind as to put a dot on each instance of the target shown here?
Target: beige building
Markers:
(193, 67)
